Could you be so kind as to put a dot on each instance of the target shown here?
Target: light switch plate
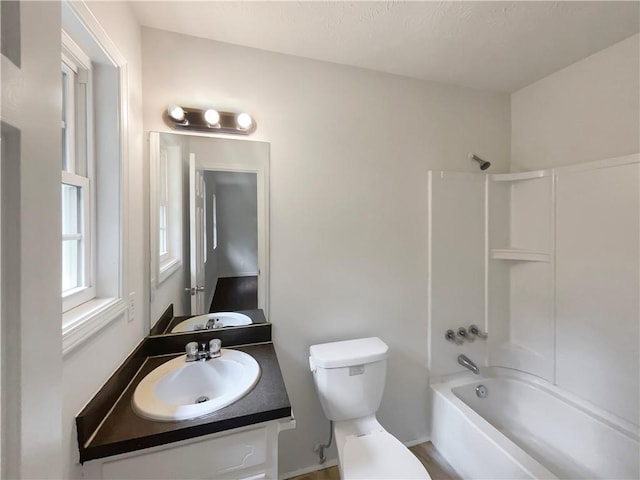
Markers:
(132, 306)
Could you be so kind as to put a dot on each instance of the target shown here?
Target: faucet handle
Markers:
(191, 349)
(450, 335)
(214, 347)
(474, 330)
(462, 332)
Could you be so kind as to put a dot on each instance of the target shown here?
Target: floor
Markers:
(437, 466)
(235, 293)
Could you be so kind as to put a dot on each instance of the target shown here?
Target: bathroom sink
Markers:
(221, 319)
(180, 390)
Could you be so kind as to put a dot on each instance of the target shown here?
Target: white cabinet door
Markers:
(229, 456)
(247, 453)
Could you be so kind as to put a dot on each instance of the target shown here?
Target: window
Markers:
(166, 171)
(163, 210)
(94, 143)
(77, 223)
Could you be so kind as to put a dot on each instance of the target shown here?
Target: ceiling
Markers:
(498, 46)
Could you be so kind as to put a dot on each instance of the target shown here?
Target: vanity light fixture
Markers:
(244, 121)
(212, 117)
(176, 113)
(209, 120)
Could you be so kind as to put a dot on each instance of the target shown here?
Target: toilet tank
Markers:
(349, 376)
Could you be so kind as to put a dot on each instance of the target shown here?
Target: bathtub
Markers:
(527, 428)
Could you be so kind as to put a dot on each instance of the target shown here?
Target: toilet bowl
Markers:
(350, 377)
(367, 451)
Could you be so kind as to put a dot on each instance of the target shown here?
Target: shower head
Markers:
(483, 163)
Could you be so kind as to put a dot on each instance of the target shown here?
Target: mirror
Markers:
(208, 225)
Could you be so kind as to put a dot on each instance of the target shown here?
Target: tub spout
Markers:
(467, 363)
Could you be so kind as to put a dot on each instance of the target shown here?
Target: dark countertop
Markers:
(124, 431)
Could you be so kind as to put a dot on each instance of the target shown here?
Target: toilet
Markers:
(349, 378)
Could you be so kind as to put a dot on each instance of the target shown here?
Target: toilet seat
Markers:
(379, 455)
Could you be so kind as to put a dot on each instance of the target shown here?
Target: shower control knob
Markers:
(462, 333)
(474, 330)
(450, 335)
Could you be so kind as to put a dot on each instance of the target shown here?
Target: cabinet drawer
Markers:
(211, 458)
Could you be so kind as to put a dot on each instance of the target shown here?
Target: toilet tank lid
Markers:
(348, 353)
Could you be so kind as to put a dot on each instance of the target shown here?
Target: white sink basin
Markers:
(180, 390)
(222, 319)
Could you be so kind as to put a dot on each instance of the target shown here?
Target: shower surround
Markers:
(548, 262)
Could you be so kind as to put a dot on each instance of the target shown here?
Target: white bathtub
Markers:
(527, 428)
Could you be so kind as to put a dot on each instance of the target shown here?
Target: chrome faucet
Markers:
(212, 323)
(206, 352)
(467, 363)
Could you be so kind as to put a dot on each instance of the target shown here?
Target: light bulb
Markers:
(243, 120)
(176, 113)
(211, 116)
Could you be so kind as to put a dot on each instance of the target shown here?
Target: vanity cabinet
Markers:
(248, 453)
(239, 441)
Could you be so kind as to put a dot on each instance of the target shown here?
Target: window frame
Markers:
(110, 171)
(166, 190)
(78, 165)
(86, 291)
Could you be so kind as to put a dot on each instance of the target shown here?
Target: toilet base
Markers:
(367, 451)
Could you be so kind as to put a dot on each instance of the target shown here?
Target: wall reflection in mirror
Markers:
(208, 230)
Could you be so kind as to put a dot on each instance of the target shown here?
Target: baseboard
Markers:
(237, 274)
(312, 468)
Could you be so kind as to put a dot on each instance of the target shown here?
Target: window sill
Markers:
(167, 268)
(82, 322)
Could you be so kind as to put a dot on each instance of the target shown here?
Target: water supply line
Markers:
(319, 448)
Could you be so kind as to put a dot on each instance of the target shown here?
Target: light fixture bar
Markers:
(194, 119)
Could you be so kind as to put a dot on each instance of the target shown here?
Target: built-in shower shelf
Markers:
(518, 254)
(519, 176)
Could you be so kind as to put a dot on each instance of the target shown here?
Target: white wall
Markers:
(350, 151)
(86, 368)
(31, 254)
(586, 111)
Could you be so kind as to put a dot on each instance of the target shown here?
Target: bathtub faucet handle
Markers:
(462, 333)
(474, 330)
(450, 335)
